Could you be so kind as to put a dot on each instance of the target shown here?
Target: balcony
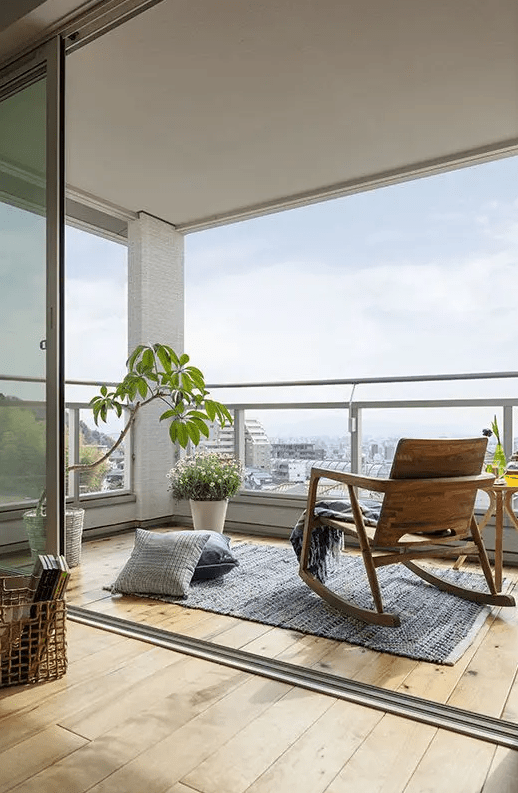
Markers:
(230, 146)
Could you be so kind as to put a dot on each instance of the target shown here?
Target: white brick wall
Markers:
(156, 314)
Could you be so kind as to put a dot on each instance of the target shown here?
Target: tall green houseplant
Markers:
(157, 373)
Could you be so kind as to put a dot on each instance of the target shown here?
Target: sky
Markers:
(96, 313)
(416, 278)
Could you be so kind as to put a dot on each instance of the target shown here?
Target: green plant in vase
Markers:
(499, 463)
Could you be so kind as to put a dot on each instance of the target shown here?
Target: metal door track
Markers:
(474, 725)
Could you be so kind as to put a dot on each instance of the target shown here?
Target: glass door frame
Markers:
(48, 61)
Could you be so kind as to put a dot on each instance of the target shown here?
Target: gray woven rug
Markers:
(265, 587)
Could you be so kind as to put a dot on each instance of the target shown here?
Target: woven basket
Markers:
(74, 519)
(35, 526)
(32, 635)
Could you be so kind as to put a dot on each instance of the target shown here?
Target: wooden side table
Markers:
(500, 503)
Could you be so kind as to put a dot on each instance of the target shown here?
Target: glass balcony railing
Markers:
(277, 441)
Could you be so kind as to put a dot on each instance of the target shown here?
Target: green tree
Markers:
(91, 473)
(92, 478)
(22, 452)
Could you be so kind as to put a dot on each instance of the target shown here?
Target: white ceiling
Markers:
(198, 109)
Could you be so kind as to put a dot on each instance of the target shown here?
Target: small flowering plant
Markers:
(206, 476)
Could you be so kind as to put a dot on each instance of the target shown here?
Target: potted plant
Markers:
(155, 372)
(498, 465)
(207, 480)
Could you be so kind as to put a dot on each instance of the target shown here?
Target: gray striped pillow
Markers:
(161, 564)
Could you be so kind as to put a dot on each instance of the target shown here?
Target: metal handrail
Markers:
(420, 378)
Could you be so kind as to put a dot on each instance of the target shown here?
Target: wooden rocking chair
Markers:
(427, 512)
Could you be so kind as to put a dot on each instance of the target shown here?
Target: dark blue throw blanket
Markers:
(325, 541)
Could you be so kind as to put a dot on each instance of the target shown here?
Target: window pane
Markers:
(22, 303)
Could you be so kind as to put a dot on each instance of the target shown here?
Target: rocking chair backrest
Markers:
(417, 500)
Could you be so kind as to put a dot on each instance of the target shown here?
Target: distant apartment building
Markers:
(389, 449)
(297, 450)
(289, 470)
(374, 451)
(380, 450)
(221, 439)
(258, 450)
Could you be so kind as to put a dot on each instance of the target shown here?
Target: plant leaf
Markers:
(201, 426)
(142, 387)
(496, 431)
(199, 415)
(180, 432)
(148, 358)
(187, 383)
(174, 358)
(130, 363)
(193, 432)
(210, 408)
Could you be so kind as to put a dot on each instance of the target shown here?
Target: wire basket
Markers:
(32, 635)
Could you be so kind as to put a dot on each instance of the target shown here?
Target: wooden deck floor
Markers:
(133, 718)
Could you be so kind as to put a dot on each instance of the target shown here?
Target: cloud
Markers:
(296, 320)
(417, 280)
(96, 329)
(95, 310)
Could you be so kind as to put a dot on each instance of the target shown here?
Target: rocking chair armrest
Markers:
(483, 481)
(375, 483)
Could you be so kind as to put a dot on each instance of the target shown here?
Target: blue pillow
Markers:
(216, 558)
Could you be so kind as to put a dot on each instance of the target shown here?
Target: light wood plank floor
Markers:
(482, 680)
(133, 718)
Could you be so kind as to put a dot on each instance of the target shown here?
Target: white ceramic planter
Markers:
(208, 515)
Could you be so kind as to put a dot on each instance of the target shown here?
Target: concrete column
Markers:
(155, 314)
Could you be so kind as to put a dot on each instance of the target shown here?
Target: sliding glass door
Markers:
(31, 234)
